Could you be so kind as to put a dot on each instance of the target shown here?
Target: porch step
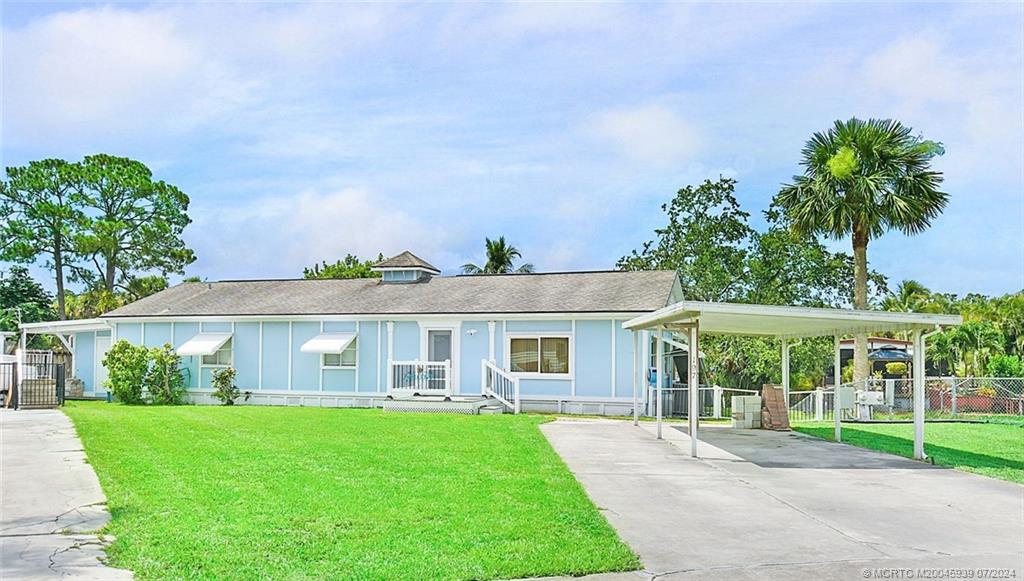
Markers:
(438, 405)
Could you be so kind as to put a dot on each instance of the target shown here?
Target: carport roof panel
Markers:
(781, 321)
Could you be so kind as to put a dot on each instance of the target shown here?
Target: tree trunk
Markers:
(861, 366)
(108, 275)
(58, 266)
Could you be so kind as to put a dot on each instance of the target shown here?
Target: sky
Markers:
(305, 131)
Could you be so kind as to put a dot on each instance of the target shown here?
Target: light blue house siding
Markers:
(268, 357)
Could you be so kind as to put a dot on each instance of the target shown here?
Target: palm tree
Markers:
(913, 297)
(501, 257)
(861, 179)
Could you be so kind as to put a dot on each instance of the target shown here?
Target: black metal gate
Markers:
(38, 383)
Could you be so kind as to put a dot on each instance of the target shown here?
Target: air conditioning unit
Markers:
(871, 398)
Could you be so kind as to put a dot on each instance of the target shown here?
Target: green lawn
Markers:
(303, 493)
(992, 449)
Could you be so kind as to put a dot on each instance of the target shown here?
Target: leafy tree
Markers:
(42, 202)
(501, 258)
(913, 297)
(974, 342)
(224, 388)
(1005, 366)
(163, 378)
(98, 300)
(704, 242)
(862, 178)
(349, 267)
(22, 299)
(785, 267)
(127, 366)
(132, 222)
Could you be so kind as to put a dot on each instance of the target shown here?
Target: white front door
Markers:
(440, 342)
(102, 345)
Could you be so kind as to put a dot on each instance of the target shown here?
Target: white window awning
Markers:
(328, 343)
(203, 344)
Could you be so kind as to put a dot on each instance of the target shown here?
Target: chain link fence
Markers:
(945, 398)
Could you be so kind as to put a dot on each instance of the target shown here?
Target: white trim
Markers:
(491, 347)
(321, 374)
(570, 376)
(259, 381)
(289, 355)
(482, 316)
(572, 358)
(378, 361)
(391, 353)
(614, 356)
(142, 333)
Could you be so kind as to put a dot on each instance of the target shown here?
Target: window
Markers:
(545, 355)
(346, 358)
(221, 357)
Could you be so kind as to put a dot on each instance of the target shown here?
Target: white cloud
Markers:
(278, 235)
(650, 134)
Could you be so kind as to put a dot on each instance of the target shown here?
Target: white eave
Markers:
(784, 322)
(65, 327)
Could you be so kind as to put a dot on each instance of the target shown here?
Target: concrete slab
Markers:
(779, 505)
(49, 497)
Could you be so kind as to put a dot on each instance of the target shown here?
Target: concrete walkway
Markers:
(774, 505)
(49, 499)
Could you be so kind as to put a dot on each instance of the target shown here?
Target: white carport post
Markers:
(785, 371)
(918, 378)
(693, 362)
(659, 376)
(837, 376)
(637, 360)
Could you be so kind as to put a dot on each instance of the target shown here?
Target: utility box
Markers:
(746, 411)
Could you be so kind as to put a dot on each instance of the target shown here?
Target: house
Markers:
(557, 337)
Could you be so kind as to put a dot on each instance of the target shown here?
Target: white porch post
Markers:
(490, 341)
(659, 377)
(785, 371)
(636, 379)
(391, 353)
(693, 359)
(837, 376)
(918, 377)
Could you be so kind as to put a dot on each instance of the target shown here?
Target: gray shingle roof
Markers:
(407, 260)
(571, 292)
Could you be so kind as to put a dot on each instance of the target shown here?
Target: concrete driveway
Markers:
(49, 500)
(776, 505)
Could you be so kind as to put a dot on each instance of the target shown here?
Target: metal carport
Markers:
(785, 323)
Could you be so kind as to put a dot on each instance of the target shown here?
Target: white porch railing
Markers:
(421, 377)
(497, 383)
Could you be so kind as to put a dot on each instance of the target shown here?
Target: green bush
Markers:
(896, 368)
(164, 380)
(1005, 366)
(126, 365)
(224, 387)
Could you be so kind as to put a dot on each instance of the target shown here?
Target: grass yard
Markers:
(271, 492)
(993, 449)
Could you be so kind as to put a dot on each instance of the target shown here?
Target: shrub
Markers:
(126, 371)
(224, 387)
(986, 392)
(896, 368)
(1005, 366)
(164, 380)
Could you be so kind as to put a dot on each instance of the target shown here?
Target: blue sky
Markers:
(306, 131)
